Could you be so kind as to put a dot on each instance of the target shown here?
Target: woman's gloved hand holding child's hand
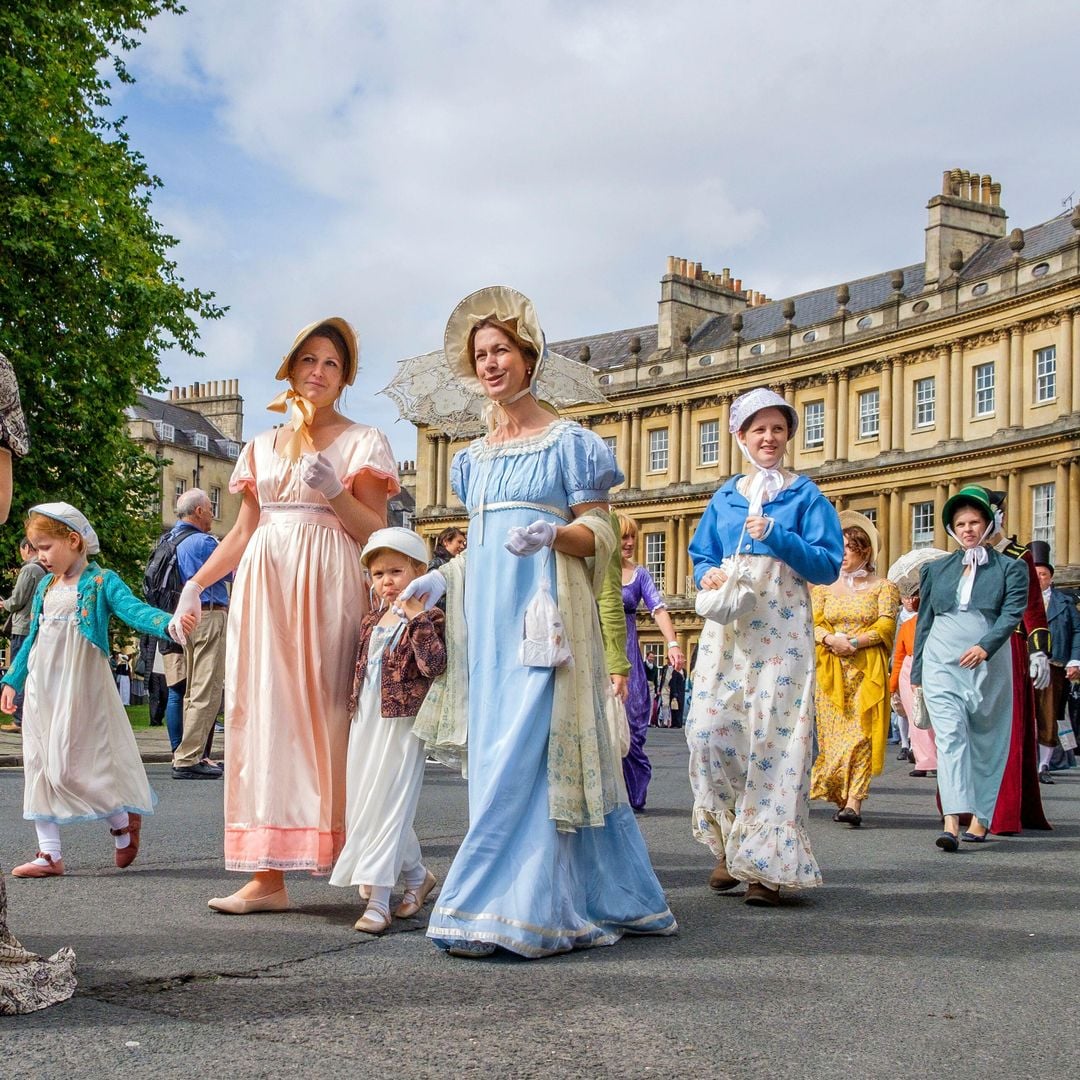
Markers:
(188, 612)
(429, 588)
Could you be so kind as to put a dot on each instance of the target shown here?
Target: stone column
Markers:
(941, 493)
(441, 485)
(686, 459)
(1015, 388)
(635, 448)
(956, 391)
(897, 544)
(899, 429)
(885, 413)
(1061, 511)
(1013, 510)
(669, 559)
(787, 392)
(432, 470)
(1065, 364)
(830, 418)
(674, 455)
(724, 464)
(623, 445)
(840, 503)
(1003, 369)
(1074, 513)
(842, 415)
(1075, 354)
(681, 543)
(883, 518)
(944, 389)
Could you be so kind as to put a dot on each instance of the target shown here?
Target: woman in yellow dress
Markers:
(854, 623)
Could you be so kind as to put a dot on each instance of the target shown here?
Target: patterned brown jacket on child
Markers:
(418, 656)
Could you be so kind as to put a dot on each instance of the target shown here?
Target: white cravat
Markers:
(850, 579)
(974, 557)
(765, 484)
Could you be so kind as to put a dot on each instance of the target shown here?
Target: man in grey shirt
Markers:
(19, 605)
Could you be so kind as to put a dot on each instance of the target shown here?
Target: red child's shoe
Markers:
(125, 856)
(53, 867)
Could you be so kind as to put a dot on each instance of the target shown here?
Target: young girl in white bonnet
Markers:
(401, 651)
(81, 762)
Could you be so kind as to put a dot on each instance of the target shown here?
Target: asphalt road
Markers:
(907, 963)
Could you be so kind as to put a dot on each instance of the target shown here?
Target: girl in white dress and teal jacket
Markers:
(81, 762)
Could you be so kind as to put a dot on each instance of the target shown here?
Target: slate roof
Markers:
(993, 257)
(186, 422)
(608, 349)
(612, 348)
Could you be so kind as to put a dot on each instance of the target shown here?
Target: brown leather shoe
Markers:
(125, 856)
(760, 895)
(11, 729)
(720, 880)
(414, 899)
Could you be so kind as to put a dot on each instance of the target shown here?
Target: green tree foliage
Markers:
(89, 297)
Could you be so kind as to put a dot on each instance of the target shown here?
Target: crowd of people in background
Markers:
(354, 656)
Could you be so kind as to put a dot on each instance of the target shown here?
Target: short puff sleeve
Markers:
(460, 468)
(13, 434)
(588, 467)
(368, 450)
(243, 475)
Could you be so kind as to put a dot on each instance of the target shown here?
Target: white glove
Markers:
(431, 586)
(317, 472)
(1039, 670)
(523, 542)
(190, 603)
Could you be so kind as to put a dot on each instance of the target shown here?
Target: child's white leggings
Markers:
(48, 834)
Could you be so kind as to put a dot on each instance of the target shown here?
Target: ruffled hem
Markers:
(776, 854)
(96, 815)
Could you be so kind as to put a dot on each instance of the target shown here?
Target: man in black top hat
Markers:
(1064, 622)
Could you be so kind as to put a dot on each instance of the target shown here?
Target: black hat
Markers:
(1040, 554)
(997, 499)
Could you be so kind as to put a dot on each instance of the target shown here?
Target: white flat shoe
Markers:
(237, 905)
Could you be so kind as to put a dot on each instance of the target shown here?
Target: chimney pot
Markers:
(995, 193)
(736, 285)
(671, 264)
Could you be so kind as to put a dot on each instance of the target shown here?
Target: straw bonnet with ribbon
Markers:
(74, 519)
(852, 519)
(303, 411)
(767, 483)
(504, 305)
(976, 498)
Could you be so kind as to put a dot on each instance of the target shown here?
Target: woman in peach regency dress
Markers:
(313, 492)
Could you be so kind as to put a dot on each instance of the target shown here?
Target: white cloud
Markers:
(416, 150)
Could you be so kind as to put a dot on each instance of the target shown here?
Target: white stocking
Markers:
(120, 821)
(48, 841)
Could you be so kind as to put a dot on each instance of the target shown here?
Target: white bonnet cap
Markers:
(74, 519)
(404, 541)
(753, 401)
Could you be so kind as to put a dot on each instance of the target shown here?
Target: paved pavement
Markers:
(908, 963)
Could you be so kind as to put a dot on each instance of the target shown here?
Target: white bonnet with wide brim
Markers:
(497, 302)
(74, 519)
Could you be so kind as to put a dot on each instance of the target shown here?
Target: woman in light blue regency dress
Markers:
(553, 859)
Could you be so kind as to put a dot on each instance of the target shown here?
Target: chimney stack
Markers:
(690, 295)
(965, 216)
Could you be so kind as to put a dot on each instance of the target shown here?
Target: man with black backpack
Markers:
(179, 556)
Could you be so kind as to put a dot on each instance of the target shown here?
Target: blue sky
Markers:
(381, 160)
